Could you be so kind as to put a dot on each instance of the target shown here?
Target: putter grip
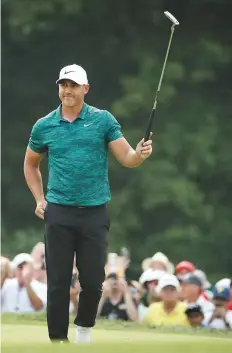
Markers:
(149, 126)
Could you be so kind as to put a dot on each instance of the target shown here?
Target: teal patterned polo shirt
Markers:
(77, 155)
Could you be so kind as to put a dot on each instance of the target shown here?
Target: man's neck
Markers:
(71, 113)
(115, 296)
(169, 306)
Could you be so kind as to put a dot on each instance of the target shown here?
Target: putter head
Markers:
(171, 18)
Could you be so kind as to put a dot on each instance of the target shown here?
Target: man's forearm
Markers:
(100, 305)
(75, 303)
(130, 307)
(34, 181)
(132, 159)
(34, 299)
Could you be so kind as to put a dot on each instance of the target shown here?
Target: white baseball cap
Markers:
(20, 259)
(168, 280)
(151, 275)
(224, 282)
(74, 73)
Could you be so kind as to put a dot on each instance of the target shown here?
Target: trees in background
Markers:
(179, 200)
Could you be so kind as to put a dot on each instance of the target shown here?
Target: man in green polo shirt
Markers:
(76, 138)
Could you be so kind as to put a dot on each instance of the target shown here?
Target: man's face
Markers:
(188, 290)
(169, 294)
(18, 274)
(195, 319)
(114, 284)
(71, 94)
(156, 265)
(151, 285)
(183, 272)
(220, 302)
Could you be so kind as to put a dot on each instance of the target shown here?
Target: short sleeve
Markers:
(113, 128)
(36, 141)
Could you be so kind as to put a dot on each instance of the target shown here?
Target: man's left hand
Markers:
(144, 149)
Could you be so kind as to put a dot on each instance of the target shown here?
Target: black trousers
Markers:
(69, 230)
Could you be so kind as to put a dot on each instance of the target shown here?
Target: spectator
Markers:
(226, 283)
(159, 261)
(170, 311)
(195, 315)
(221, 317)
(149, 280)
(184, 268)
(192, 290)
(116, 301)
(23, 294)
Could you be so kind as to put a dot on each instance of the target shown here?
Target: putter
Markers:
(150, 121)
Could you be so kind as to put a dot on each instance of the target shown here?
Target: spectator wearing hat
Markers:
(195, 315)
(191, 290)
(116, 301)
(22, 293)
(158, 261)
(221, 317)
(226, 283)
(149, 281)
(184, 268)
(170, 311)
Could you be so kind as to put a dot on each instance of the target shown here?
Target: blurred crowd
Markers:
(164, 294)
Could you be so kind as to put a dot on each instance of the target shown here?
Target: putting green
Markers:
(34, 339)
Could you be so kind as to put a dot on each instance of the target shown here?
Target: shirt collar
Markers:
(81, 115)
(174, 311)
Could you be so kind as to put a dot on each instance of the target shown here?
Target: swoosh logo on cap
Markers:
(67, 72)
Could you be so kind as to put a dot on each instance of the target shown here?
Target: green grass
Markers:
(28, 333)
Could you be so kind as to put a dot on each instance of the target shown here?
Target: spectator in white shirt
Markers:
(22, 293)
(192, 293)
(221, 318)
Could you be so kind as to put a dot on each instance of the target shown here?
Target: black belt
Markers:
(104, 204)
(78, 206)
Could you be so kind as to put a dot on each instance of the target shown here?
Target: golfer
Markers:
(76, 138)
